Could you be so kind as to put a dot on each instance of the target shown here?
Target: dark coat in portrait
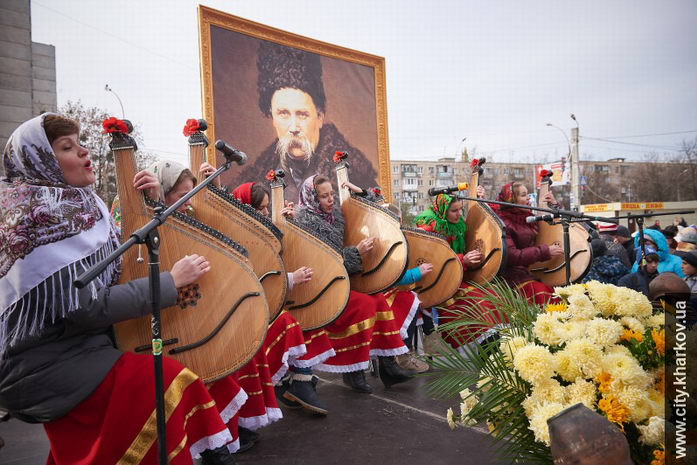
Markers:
(331, 140)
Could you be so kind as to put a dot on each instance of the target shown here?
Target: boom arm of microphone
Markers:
(463, 186)
(231, 153)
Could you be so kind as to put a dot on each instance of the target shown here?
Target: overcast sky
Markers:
(491, 71)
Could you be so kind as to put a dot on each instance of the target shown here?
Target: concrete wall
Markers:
(27, 69)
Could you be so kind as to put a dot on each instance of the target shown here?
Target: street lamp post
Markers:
(677, 179)
(109, 89)
(568, 157)
(575, 167)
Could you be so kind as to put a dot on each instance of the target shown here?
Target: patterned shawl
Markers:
(437, 214)
(49, 233)
(308, 199)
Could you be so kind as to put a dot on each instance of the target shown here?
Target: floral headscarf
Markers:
(50, 232)
(437, 215)
(308, 199)
(506, 194)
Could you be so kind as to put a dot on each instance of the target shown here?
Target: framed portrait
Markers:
(290, 102)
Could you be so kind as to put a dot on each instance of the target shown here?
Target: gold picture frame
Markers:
(218, 30)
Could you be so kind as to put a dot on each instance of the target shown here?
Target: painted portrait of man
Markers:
(292, 109)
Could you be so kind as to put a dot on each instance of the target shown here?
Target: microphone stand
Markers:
(149, 236)
(565, 218)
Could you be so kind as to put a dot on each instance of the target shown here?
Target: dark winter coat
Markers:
(607, 269)
(46, 376)
(639, 281)
(330, 141)
(520, 245)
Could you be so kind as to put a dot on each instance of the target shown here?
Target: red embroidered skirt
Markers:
(284, 343)
(229, 399)
(366, 327)
(465, 305)
(117, 422)
(404, 306)
(319, 349)
(261, 408)
(537, 292)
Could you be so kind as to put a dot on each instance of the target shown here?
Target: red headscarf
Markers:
(243, 193)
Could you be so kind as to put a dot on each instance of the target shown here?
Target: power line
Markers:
(655, 134)
(662, 147)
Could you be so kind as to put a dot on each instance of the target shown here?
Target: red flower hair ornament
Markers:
(271, 175)
(113, 124)
(338, 156)
(191, 127)
(545, 173)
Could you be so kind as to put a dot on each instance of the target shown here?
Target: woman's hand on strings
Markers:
(206, 169)
(352, 187)
(302, 275)
(425, 269)
(556, 250)
(289, 211)
(366, 245)
(189, 269)
(473, 257)
(148, 182)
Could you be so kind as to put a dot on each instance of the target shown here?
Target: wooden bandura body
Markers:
(220, 321)
(485, 232)
(443, 282)
(243, 224)
(553, 272)
(320, 301)
(387, 262)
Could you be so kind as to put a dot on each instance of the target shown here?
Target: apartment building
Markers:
(411, 179)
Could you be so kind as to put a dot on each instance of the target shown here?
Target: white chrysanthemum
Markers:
(618, 349)
(653, 434)
(548, 390)
(606, 298)
(581, 308)
(566, 365)
(531, 403)
(632, 323)
(587, 356)
(658, 403)
(656, 321)
(571, 330)
(510, 346)
(466, 407)
(581, 391)
(450, 416)
(626, 370)
(538, 419)
(635, 304)
(534, 363)
(603, 332)
(569, 291)
(546, 329)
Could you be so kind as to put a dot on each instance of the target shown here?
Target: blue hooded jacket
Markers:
(666, 260)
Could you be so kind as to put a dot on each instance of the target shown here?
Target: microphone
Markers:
(231, 153)
(462, 186)
(535, 219)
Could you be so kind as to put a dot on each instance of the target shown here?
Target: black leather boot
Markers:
(303, 390)
(391, 373)
(280, 394)
(356, 381)
(247, 435)
(219, 456)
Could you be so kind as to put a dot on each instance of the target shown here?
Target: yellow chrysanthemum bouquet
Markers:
(599, 345)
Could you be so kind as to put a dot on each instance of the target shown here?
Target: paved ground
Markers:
(397, 426)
